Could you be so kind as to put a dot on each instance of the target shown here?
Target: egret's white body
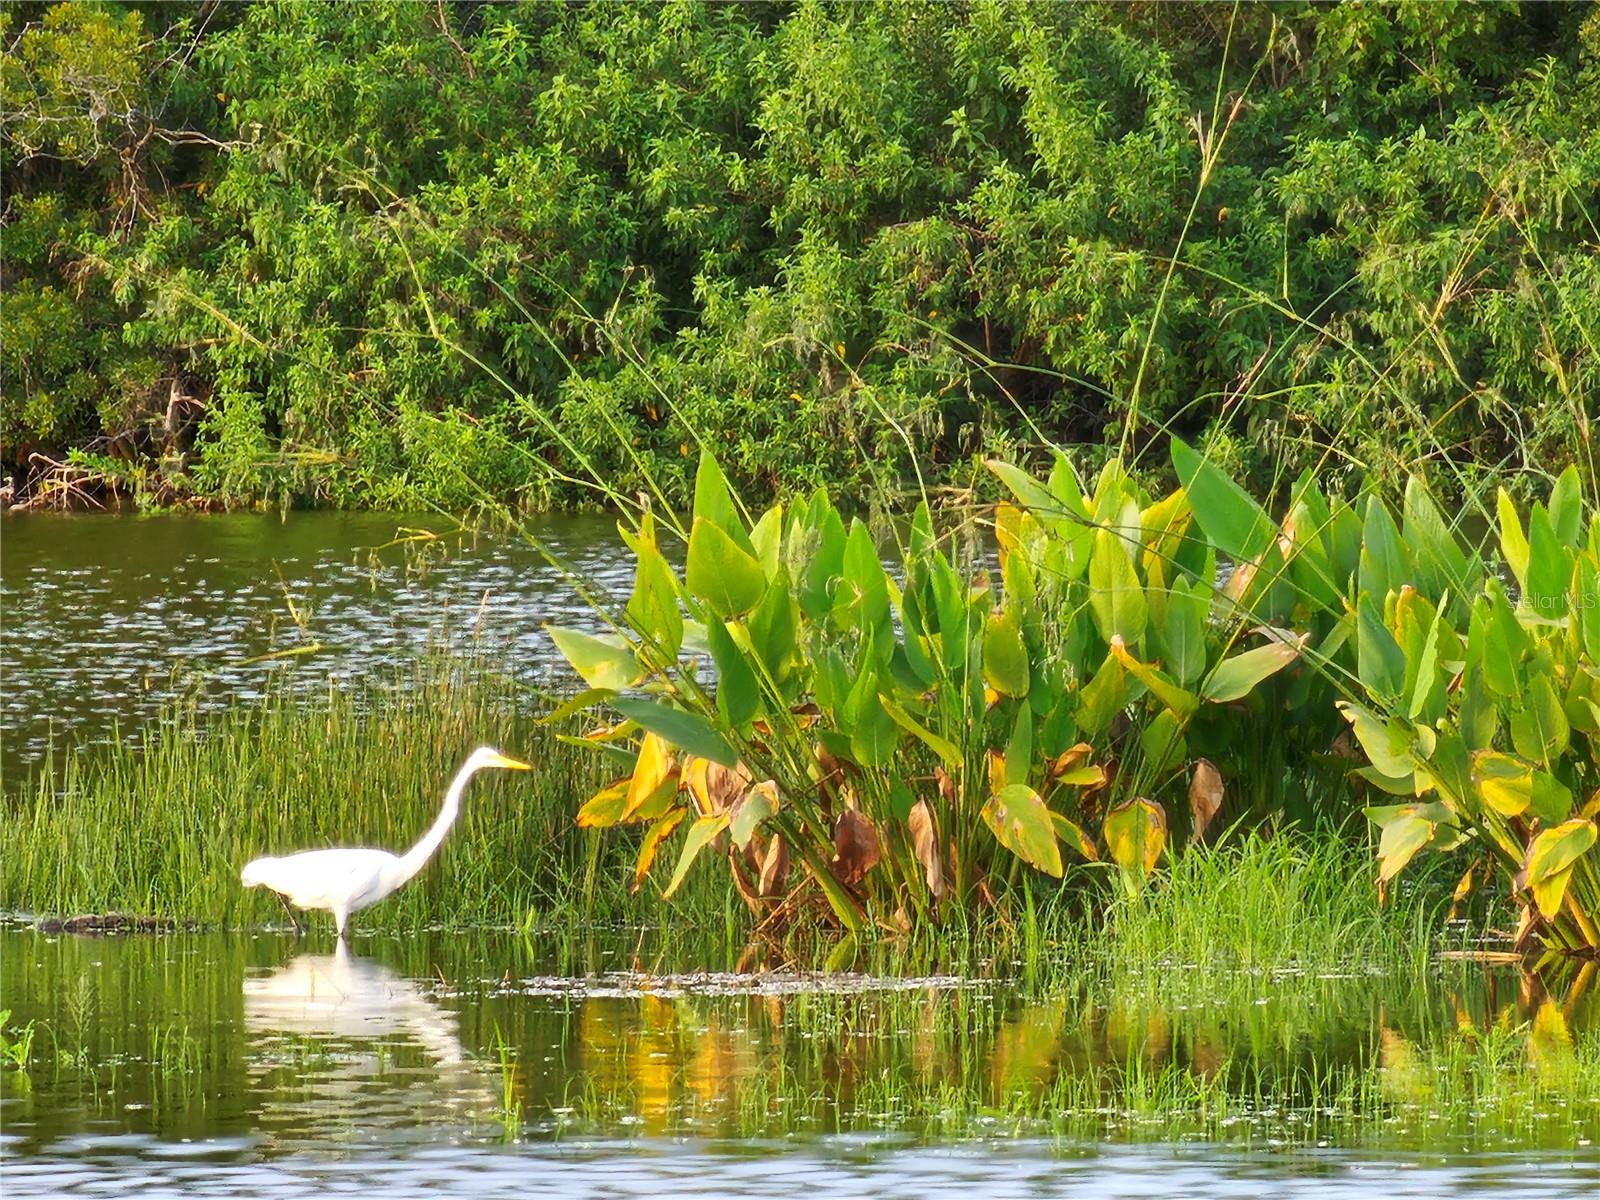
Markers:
(346, 881)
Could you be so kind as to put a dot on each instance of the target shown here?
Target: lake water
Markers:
(251, 1065)
(105, 616)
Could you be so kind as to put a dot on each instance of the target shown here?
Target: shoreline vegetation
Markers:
(258, 254)
(884, 749)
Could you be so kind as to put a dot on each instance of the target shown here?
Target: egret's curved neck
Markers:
(414, 859)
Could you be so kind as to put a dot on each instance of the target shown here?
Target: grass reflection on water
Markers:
(466, 1039)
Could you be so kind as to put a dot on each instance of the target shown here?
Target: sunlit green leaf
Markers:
(1115, 595)
(722, 574)
(604, 661)
(1021, 823)
(1235, 523)
(700, 834)
(689, 732)
(1236, 677)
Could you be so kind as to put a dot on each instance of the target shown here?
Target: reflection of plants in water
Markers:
(1510, 1072)
(173, 1051)
(1256, 1066)
(16, 1046)
(509, 1114)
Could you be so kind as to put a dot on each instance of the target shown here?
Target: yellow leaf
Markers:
(650, 771)
(604, 808)
(652, 842)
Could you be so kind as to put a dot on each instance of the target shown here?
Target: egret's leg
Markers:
(340, 916)
(293, 920)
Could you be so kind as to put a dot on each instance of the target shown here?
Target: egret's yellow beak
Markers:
(510, 764)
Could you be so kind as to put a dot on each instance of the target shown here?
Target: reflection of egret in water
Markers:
(346, 1048)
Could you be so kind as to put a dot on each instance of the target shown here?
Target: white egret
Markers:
(344, 881)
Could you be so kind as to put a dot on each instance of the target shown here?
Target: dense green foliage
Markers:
(436, 251)
(912, 736)
(1485, 708)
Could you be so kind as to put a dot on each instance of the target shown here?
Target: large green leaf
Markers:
(1503, 783)
(766, 540)
(1387, 744)
(1162, 742)
(1539, 729)
(738, 694)
(1496, 640)
(1385, 564)
(653, 607)
(1549, 577)
(1021, 823)
(1184, 630)
(713, 501)
(1005, 655)
(1235, 678)
(1379, 660)
(1033, 495)
(1179, 700)
(1235, 523)
(1566, 507)
(818, 558)
(1513, 542)
(861, 598)
(1588, 606)
(1442, 564)
(872, 731)
(1558, 848)
(700, 834)
(1102, 698)
(774, 626)
(604, 660)
(1552, 799)
(721, 573)
(689, 732)
(1076, 530)
(1115, 594)
(1400, 842)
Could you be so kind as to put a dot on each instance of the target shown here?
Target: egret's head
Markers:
(255, 871)
(488, 756)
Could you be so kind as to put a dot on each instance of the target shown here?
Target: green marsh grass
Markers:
(160, 824)
(1285, 903)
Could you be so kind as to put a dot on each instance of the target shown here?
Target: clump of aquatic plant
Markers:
(16, 1042)
(1480, 706)
(911, 736)
(1290, 903)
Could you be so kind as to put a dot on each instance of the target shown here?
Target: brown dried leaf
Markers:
(856, 848)
(714, 786)
(830, 779)
(1205, 797)
(774, 868)
(1070, 759)
(925, 844)
(947, 787)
